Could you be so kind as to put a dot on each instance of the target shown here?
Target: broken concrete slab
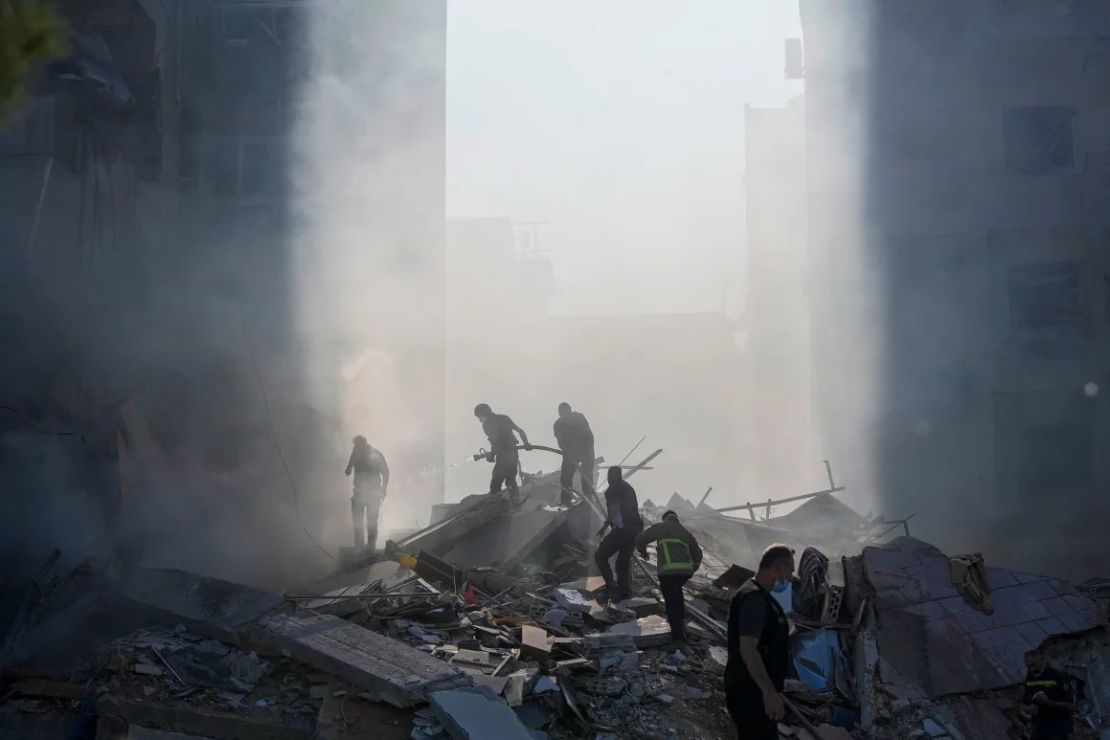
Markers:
(505, 539)
(609, 641)
(208, 606)
(717, 659)
(203, 721)
(441, 536)
(573, 600)
(647, 632)
(534, 644)
(472, 657)
(641, 606)
(496, 684)
(934, 638)
(475, 714)
(390, 670)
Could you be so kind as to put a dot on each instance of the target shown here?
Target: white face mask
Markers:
(780, 586)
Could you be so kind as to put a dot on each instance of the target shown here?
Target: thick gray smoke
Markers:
(174, 340)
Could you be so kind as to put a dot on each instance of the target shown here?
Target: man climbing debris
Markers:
(501, 432)
(678, 557)
(623, 515)
(1049, 692)
(576, 440)
(759, 648)
(370, 485)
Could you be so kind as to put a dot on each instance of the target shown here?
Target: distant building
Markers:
(780, 448)
(978, 137)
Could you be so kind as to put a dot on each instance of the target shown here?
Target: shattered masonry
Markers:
(484, 622)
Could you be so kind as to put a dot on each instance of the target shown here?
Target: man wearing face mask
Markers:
(758, 648)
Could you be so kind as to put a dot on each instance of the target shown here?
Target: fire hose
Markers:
(484, 453)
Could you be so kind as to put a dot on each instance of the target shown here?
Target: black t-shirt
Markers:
(499, 430)
(1057, 687)
(574, 434)
(623, 497)
(754, 613)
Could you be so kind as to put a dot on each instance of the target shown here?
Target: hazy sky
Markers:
(620, 124)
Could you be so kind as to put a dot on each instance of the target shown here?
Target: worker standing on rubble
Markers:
(370, 485)
(678, 557)
(623, 515)
(502, 431)
(1050, 693)
(758, 648)
(576, 440)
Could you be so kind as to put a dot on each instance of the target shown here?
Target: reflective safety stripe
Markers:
(674, 556)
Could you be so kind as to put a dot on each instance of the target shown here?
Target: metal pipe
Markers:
(776, 502)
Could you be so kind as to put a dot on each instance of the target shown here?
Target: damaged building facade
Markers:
(974, 138)
(150, 304)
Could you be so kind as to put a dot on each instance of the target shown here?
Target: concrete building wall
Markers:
(980, 133)
(158, 274)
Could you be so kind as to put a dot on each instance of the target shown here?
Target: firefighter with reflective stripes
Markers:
(678, 557)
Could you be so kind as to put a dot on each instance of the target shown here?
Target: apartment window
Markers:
(1047, 295)
(1039, 139)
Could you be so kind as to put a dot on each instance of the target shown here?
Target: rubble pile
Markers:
(485, 625)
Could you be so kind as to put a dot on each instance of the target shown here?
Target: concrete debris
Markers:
(207, 606)
(489, 616)
(573, 600)
(653, 631)
(533, 643)
(618, 662)
(474, 714)
(390, 671)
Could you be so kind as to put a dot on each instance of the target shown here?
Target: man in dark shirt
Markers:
(501, 432)
(758, 648)
(576, 440)
(371, 483)
(623, 516)
(1050, 693)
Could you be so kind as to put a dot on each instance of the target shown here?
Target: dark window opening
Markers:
(1039, 140)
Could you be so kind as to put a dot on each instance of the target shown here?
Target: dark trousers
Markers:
(584, 465)
(1058, 731)
(745, 706)
(504, 474)
(671, 586)
(620, 542)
